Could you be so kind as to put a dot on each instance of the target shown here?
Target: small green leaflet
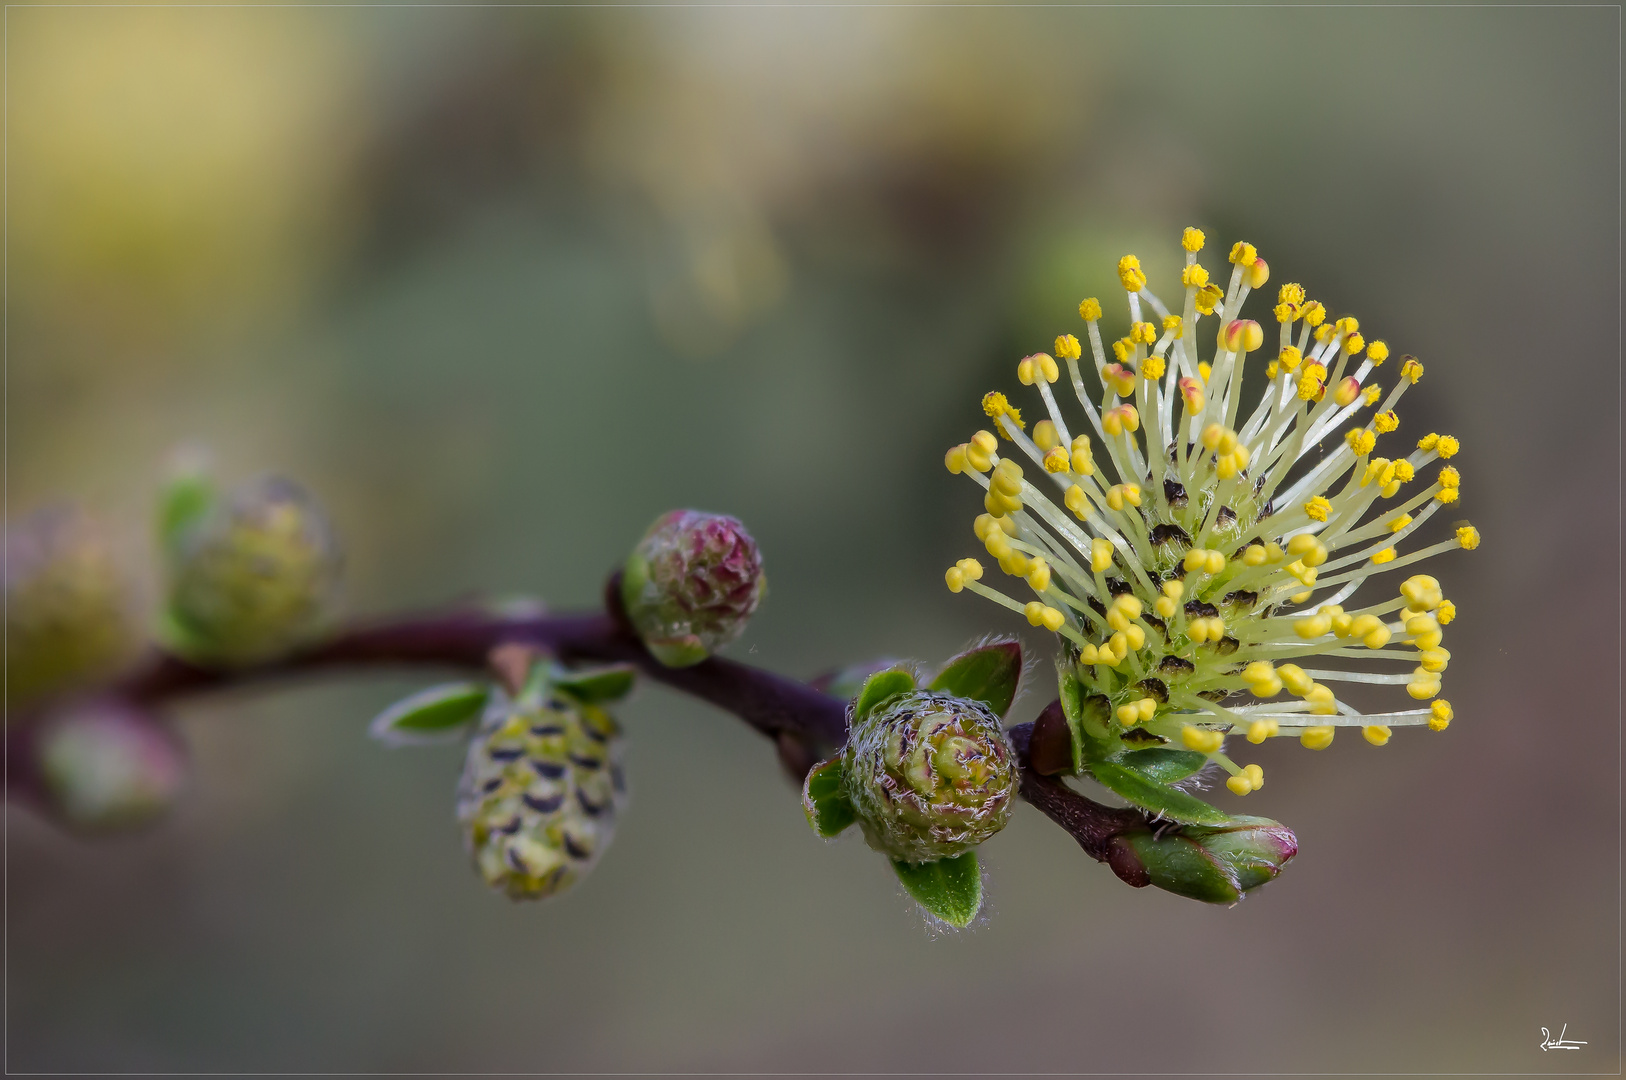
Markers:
(1150, 795)
(1164, 765)
(950, 889)
(878, 688)
(824, 800)
(183, 502)
(598, 685)
(440, 714)
(988, 674)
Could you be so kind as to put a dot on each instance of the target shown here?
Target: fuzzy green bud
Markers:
(929, 775)
(540, 791)
(691, 584)
(105, 765)
(253, 576)
(1218, 864)
(68, 604)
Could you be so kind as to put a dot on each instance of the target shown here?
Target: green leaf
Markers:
(1164, 765)
(182, 503)
(439, 714)
(1150, 795)
(824, 799)
(598, 685)
(950, 889)
(878, 688)
(988, 674)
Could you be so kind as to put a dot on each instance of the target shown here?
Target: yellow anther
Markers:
(1423, 685)
(1136, 637)
(1192, 240)
(1448, 495)
(995, 405)
(1128, 715)
(1174, 590)
(1215, 562)
(1119, 419)
(1386, 555)
(1208, 297)
(1424, 631)
(1255, 775)
(1117, 620)
(986, 523)
(1052, 619)
(977, 459)
(1370, 395)
(1239, 785)
(971, 568)
(1044, 435)
(1377, 352)
(999, 547)
(1265, 688)
(1129, 273)
(999, 504)
(1353, 344)
(1241, 335)
(1291, 293)
(1294, 678)
(1204, 370)
(1376, 734)
(1468, 537)
(1375, 638)
(955, 578)
(1165, 607)
(1361, 440)
(1272, 370)
(1310, 386)
(1121, 350)
(1411, 369)
(1253, 555)
(1450, 477)
(1194, 277)
(1129, 605)
(1088, 654)
(1120, 378)
(1342, 624)
(1317, 738)
(1034, 610)
(1195, 560)
(1363, 625)
(1100, 555)
(985, 441)
(1015, 564)
(1039, 575)
(1152, 367)
(1147, 708)
(1142, 333)
(1428, 442)
(1243, 253)
(1201, 739)
(1067, 348)
(1211, 436)
(1259, 671)
(1120, 644)
(1078, 502)
(1285, 313)
(1347, 325)
(1322, 702)
(1260, 730)
(1314, 313)
(1404, 471)
(1318, 508)
(1090, 309)
(1325, 333)
(1386, 422)
(1440, 715)
(1006, 483)
(955, 459)
(1301, 543)
(1056, 460)
(1290, 358)
(1256, 275)
(1119, 494)
(1448, 446)
(1421, 593)
(1446, 612)
(1348, 390)
(1312, 627)
(1435, 660)
(1024, 371)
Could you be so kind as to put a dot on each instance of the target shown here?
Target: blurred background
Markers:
(501, 286)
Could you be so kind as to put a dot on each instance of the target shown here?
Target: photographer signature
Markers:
(1560, 1043)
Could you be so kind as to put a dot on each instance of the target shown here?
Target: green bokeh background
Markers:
(502, 286)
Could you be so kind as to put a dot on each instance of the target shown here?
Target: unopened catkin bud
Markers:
(1218, 864)
(253, 576)
(691, 584)
(69, 611)
(105, 765)
(929, 775)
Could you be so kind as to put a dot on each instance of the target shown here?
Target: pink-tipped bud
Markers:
(1348, 390)
(691, 584)
(106, 765)
(1241, 335)
(1192, 391)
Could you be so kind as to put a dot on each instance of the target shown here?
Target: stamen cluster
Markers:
(1186, 552)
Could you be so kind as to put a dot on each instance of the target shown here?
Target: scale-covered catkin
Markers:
(930, 775)
(541, 789)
